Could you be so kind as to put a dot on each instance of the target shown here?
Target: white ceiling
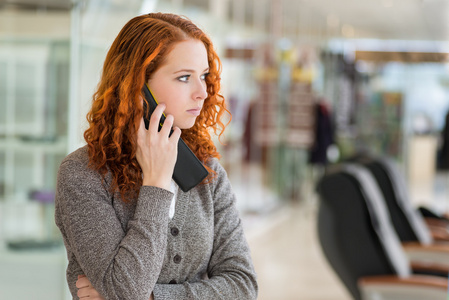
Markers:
(385, 19)
(388, 19)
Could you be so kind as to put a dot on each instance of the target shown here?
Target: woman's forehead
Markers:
(188, 54)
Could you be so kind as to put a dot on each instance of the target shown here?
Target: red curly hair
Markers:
(114, 119)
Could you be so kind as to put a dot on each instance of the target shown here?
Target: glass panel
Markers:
(34, 79)
(51, 166)
(25, 91)
(58, 87)
(25, 87)
(23, 174)
(3, 94)
(2, 174)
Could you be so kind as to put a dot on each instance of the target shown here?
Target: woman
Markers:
(130, 233)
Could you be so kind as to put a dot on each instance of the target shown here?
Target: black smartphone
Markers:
(189, 171)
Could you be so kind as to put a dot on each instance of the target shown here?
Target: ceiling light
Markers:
(347, 31)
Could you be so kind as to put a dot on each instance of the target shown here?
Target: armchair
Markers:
(359, 241)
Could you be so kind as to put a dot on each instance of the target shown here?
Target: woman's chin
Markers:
(187, 124)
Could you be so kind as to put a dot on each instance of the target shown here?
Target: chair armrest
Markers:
(429, 268)
(445, 215)
(428, 254)
(439, 229)
(439, 234)
(436, 222)
(415, 287)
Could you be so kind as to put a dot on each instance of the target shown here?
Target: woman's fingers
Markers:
(156, 117)
(88, 293)
(166, 128)
(176, 134)
(86, 290)
(155, 122)
(142, 128)
(82, 282)
(157, 151)
(141, 133)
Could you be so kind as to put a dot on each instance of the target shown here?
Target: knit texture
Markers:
(129, 251)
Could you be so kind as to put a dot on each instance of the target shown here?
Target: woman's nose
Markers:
(200, 92)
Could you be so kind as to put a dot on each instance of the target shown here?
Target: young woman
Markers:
(129, 231)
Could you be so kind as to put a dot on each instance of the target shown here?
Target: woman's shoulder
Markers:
(212, 162)
(215, 165)
(220, 175)
(76, 163)
(79, 155)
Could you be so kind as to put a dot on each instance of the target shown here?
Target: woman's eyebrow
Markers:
(189, 71)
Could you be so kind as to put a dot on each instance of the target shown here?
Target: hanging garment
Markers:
(324, 135)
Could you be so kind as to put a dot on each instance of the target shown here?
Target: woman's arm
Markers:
(230, 270)
(120, 265)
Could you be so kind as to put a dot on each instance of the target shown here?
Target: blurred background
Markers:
(308, 82)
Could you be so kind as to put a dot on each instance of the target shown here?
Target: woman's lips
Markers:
(196, 111)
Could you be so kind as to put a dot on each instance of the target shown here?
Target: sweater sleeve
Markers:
(121, 263)
(230, 271)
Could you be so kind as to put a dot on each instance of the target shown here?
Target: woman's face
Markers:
(180, 82)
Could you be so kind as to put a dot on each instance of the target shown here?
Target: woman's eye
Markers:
(184, 78)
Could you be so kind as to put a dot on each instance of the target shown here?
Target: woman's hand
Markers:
(86, 290)
(157, 151)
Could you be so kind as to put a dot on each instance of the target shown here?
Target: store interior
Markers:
(309, 84)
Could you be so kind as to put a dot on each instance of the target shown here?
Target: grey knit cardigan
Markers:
(129, 251)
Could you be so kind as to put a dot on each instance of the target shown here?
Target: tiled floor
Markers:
(288, 259)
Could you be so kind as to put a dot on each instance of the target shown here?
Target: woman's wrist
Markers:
(157, 183)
